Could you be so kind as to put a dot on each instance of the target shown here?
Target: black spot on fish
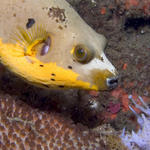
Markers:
(41, 65)
(53, 74)
(30, 23)
(52, 79)
(61, 86)
(70, 67)
(101, 58)
(46, 86)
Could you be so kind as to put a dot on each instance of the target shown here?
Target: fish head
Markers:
(81, 50)
(58, 51)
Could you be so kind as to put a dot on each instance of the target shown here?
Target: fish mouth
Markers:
(104, 79)
(112, 82)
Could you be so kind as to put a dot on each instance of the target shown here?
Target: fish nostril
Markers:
(112, 82)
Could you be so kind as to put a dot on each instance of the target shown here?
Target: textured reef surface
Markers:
(23, 127)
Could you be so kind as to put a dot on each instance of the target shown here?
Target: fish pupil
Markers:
(80, 53)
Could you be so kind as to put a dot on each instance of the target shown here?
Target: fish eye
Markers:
(82, 54)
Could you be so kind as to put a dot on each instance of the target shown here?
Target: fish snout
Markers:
(112, 82)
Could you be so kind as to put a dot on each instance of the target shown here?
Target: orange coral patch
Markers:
(124, 66)
(125, 102)
(131, 3)
(103, 11)
(119, 93)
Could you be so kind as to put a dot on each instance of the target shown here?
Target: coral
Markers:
(138, 5)
(23, 127)
(110, 137)
(114, 108)
(115, 143)
(144, 5)
(141, 139)
(120, 93)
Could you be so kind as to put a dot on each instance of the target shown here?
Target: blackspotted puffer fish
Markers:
(47, 43)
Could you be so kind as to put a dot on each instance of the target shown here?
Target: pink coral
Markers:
(114, 108)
